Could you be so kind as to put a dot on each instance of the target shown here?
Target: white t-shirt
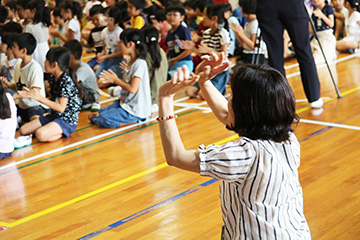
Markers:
(41, 34)
(352, 27)
(111, 39)
(249, 29)
(31, 76)
(73, 25)
(8, 128)
(89, 5)
(138, 104)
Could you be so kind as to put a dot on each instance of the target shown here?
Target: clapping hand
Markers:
(211, 66)
(30, 93)
(108, 76)
(179, 80)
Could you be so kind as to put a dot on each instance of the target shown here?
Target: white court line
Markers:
(330, 124)
(89, 139)
(324, 64)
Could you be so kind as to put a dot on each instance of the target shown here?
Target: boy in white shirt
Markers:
(28, 73)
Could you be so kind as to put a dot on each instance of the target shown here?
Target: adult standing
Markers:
(273, 17)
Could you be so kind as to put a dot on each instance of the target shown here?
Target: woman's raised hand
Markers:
(179, 80)
(211, 66)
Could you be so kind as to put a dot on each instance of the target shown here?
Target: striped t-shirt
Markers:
(215, 41)
(260, 192)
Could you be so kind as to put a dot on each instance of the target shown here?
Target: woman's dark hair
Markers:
(74, 7)
(248, 6)
(218, 11)
(151, 35)
(354, 4)
(42, 13)
(61, 55)
(135, 35)
(114, 13)
(201, 4)
(263, 103)
(5, 111)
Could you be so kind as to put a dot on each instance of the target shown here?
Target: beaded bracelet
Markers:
(166, 118)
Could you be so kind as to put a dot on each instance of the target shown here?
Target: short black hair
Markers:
(114, 13)
(191, 4)
(27, 41)
(12, 27)
(263, 103)
(8, 39)
(57, 12)
(248, 6)
(75, 48)
(139, 4)
(11, 5)
(3, 14)
(201, 4)
(96, 9)
(176, 8)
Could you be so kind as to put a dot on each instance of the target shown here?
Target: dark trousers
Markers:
(273, 17)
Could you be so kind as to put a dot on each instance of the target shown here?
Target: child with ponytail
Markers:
(157, 63)
(135, 101)
(65, 99)
(39, 28)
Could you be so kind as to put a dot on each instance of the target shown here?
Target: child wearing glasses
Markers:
(178, 32)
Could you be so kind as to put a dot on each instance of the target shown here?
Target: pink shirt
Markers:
(8, 128)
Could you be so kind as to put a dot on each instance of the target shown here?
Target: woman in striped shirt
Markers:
(260, 193)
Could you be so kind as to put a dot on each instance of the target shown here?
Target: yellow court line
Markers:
(128, 179)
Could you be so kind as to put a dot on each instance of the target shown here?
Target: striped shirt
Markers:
(215, 41)
(260, 192)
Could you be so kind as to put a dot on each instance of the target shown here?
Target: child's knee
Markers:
(24, 131)
(41, 135)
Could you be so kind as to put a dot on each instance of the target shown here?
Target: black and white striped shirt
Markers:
(260, 192)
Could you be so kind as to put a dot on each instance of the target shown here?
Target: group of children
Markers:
(138, 45)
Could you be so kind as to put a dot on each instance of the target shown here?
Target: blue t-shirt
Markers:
(320, 25)
(173, 40)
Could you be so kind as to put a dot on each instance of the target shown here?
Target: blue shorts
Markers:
(66, 127)
(28, 113)
(5, 155)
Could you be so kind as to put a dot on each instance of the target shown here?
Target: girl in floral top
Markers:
(65, 101)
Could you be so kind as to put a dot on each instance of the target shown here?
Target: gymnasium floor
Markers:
(115, 184)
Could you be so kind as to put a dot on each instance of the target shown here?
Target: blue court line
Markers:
(147, 210)
(172, 199)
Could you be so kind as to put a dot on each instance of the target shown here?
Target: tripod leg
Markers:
(322, 52)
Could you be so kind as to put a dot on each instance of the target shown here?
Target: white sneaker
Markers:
(317, 104)
(114, 91)
(95, 107)
(23, 141)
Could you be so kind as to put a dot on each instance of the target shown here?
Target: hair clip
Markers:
(153, 39)
(147, 39)
(138, 42)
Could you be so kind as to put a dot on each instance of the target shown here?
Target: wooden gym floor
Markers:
(115, 184)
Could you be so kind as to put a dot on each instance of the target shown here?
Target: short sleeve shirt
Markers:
(320, 25)
(65, 87)
(95, 38)
(138, 104)
(173, 40)
(111, 39)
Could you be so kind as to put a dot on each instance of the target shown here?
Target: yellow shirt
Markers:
(137, 22)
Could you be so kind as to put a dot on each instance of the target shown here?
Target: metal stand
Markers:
(327, 64)
(256, 55)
